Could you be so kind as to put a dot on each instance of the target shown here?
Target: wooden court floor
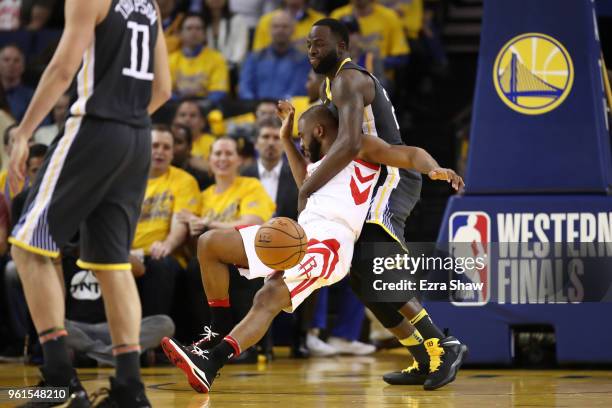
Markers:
(351, 382)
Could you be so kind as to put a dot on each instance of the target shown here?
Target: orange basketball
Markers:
(281, 243)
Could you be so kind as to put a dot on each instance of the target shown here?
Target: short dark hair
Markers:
(161, 127)
(37, 150)
(192, 100)
(270, 122)
(336, 27)
(320, 113)
(186, 131)
(238, 148)
(14, 45)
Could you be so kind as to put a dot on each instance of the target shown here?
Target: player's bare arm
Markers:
(81, 20)
(348, 89)
(376, 150)
(162, 83)
(297, 162)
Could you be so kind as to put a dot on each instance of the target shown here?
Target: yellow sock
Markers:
(413, 340)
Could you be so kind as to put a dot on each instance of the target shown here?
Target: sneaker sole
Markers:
(195, 376)
(400, 381)
(463, 352)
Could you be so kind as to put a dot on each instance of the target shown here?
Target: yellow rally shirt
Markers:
(165, 195)
(204, 73)
(263, 37)
(381, 31)
(246, 196)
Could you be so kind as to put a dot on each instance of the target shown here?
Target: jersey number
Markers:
(139, 58)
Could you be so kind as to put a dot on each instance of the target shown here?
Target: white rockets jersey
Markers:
(345, 199)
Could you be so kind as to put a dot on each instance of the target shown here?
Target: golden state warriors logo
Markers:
(533, 73)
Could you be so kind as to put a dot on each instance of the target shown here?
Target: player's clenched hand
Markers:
(286, 112)
(17, 164)
(449, 175)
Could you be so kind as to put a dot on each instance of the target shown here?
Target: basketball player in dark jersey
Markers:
(92, 180)
(363, 106)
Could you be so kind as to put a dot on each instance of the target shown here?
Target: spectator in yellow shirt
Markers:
(410, 13)
(159, 233)
(232, 201)
(197, 70)
(381, 30)
(190, 114)
(304, 18)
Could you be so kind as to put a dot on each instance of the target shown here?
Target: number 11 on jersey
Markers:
(139, 66)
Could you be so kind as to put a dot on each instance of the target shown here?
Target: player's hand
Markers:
(286, 112)
(160, 250)
(448, 175)
(197, 226)
(17, 163)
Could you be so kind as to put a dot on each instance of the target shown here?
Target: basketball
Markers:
(280, 243)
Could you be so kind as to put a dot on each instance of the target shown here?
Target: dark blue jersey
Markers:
(397, 190)
(114, 81)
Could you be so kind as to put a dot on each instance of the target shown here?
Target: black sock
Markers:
(56, 363)
(224, 351)
(425, 326)
(128, 367)
(221, 318)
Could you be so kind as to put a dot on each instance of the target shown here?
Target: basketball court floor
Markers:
(350, 382)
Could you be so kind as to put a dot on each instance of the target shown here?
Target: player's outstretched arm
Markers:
(297, 162)
(376, 150)
(80, 23)
(162, 82)
(348, 98)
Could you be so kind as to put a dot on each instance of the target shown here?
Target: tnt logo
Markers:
(469, 238)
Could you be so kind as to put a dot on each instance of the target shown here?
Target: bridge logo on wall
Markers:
(533, 73)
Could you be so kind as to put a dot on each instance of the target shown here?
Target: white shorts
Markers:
(327, 259)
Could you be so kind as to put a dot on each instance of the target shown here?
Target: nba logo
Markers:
(469, 236)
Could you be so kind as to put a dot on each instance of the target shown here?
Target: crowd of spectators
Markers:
(217, 159)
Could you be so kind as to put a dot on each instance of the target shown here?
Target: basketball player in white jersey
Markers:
(332, 219)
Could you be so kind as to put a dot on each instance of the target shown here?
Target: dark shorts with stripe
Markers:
(92, 181)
